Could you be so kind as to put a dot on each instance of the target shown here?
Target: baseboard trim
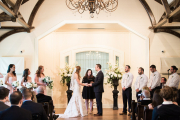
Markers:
(104, 106)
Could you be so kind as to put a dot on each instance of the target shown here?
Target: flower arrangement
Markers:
(31, 85)
(15, 84)
(1, 82)
(66, 74)
(48, 81)
(113, 72)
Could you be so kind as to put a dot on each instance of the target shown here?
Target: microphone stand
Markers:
(168, 72)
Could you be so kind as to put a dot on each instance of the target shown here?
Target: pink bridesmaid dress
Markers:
(10, 81)
(44, 86)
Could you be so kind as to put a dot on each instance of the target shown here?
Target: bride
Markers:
(76, 106)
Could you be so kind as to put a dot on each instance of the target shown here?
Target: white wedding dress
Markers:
(76, 106)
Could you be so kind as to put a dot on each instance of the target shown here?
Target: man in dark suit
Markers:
(98, 89)
(41, 97)
(15, 112)
(163, 82)
(35, 108)
(167, 110)
(4, 92)
(145, 98)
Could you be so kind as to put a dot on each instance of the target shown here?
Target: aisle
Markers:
(109, 114)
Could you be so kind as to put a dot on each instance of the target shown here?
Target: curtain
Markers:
(88, 60)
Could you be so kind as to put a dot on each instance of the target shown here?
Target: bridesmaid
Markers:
(1, 76)
(39, 76)
(10, 78)
(26, 78)
(88, 92)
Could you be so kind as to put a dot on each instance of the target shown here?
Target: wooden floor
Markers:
(108, 114)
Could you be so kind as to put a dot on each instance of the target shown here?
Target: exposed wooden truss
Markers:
(171, 14)
(11, 13)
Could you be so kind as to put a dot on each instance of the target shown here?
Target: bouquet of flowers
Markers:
(1, 82)
(114, 72)
(66, 74)
(48, 81)
(31, 85)
(15, 84)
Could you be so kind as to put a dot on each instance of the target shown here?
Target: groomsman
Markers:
(141, 81)
(126, 83)
(154, 81)
(174, 78)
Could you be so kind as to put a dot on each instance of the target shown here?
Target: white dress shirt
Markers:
(141, 81)
(155, 80)
(173, 80)
(127, 80)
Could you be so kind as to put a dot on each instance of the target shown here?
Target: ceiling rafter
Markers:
(11, 13)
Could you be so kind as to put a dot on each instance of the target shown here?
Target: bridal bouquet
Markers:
(1, 82)
(114, 72)
(66, 74)
(31, 85)
(48, 81)
(15, 84)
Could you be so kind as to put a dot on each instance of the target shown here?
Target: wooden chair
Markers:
(46, 108)
(133, 107)
(140, 111)
(51, 110)
(147, 113)
(168, 118)
(36, 116)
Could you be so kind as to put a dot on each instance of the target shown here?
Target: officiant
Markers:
(88, 92)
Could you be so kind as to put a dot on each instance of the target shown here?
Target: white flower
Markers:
(34, 85)
(1, 82)
(115, 75)
(29, 85)
(15, 84)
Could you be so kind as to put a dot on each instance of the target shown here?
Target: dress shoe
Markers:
(123, 113)
(97, 115)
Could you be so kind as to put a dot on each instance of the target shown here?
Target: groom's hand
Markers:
(90, 85)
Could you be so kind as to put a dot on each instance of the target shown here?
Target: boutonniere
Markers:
(154, 75)
(127, 76)
(141, 78)
(172, 76)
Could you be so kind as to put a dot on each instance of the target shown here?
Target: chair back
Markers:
(140, 111)
(46, 107)
(168, 117)
(133, 107)
(147, 113)
(36, 116)
(51, 109)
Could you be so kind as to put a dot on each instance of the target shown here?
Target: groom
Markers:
(98, 88)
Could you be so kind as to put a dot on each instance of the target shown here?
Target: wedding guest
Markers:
(34, 108)
(156, 100)
(141, 81)
(88, 92)
(154, 81)
(4, 92)
(126, 83)
(15, 112)
(174, 78)
(145, 98)
(26, 78)
(145, 88)
(1, 76)
(175, 94)
(10, 78)
(167, 110)
(163, 82)
(39, 76)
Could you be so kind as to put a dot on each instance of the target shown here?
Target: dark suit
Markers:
(35, 108)
(145, 102)
(43, 98)
(99, 89)
(15, 113)
(3, 106)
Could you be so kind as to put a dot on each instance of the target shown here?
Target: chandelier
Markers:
(93, 6)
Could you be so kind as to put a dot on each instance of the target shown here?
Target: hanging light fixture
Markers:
(93, 6)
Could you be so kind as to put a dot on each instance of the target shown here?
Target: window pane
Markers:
(88, 60)
(67, 59)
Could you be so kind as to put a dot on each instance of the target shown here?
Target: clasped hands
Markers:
(88, 85)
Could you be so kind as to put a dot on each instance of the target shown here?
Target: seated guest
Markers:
(145, 98)
(4, 93)
(178, 98)
(167, 110)
(163, 82)
(15, 112)
(156, 100)
(41, 97)
(35, 108)
(175, 94)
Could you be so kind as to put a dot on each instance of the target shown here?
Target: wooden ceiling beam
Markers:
(13, 27)
(168, 31)
(17, 5)
(166, 7)
(13, 15)
(4, 18)
(165, 20)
